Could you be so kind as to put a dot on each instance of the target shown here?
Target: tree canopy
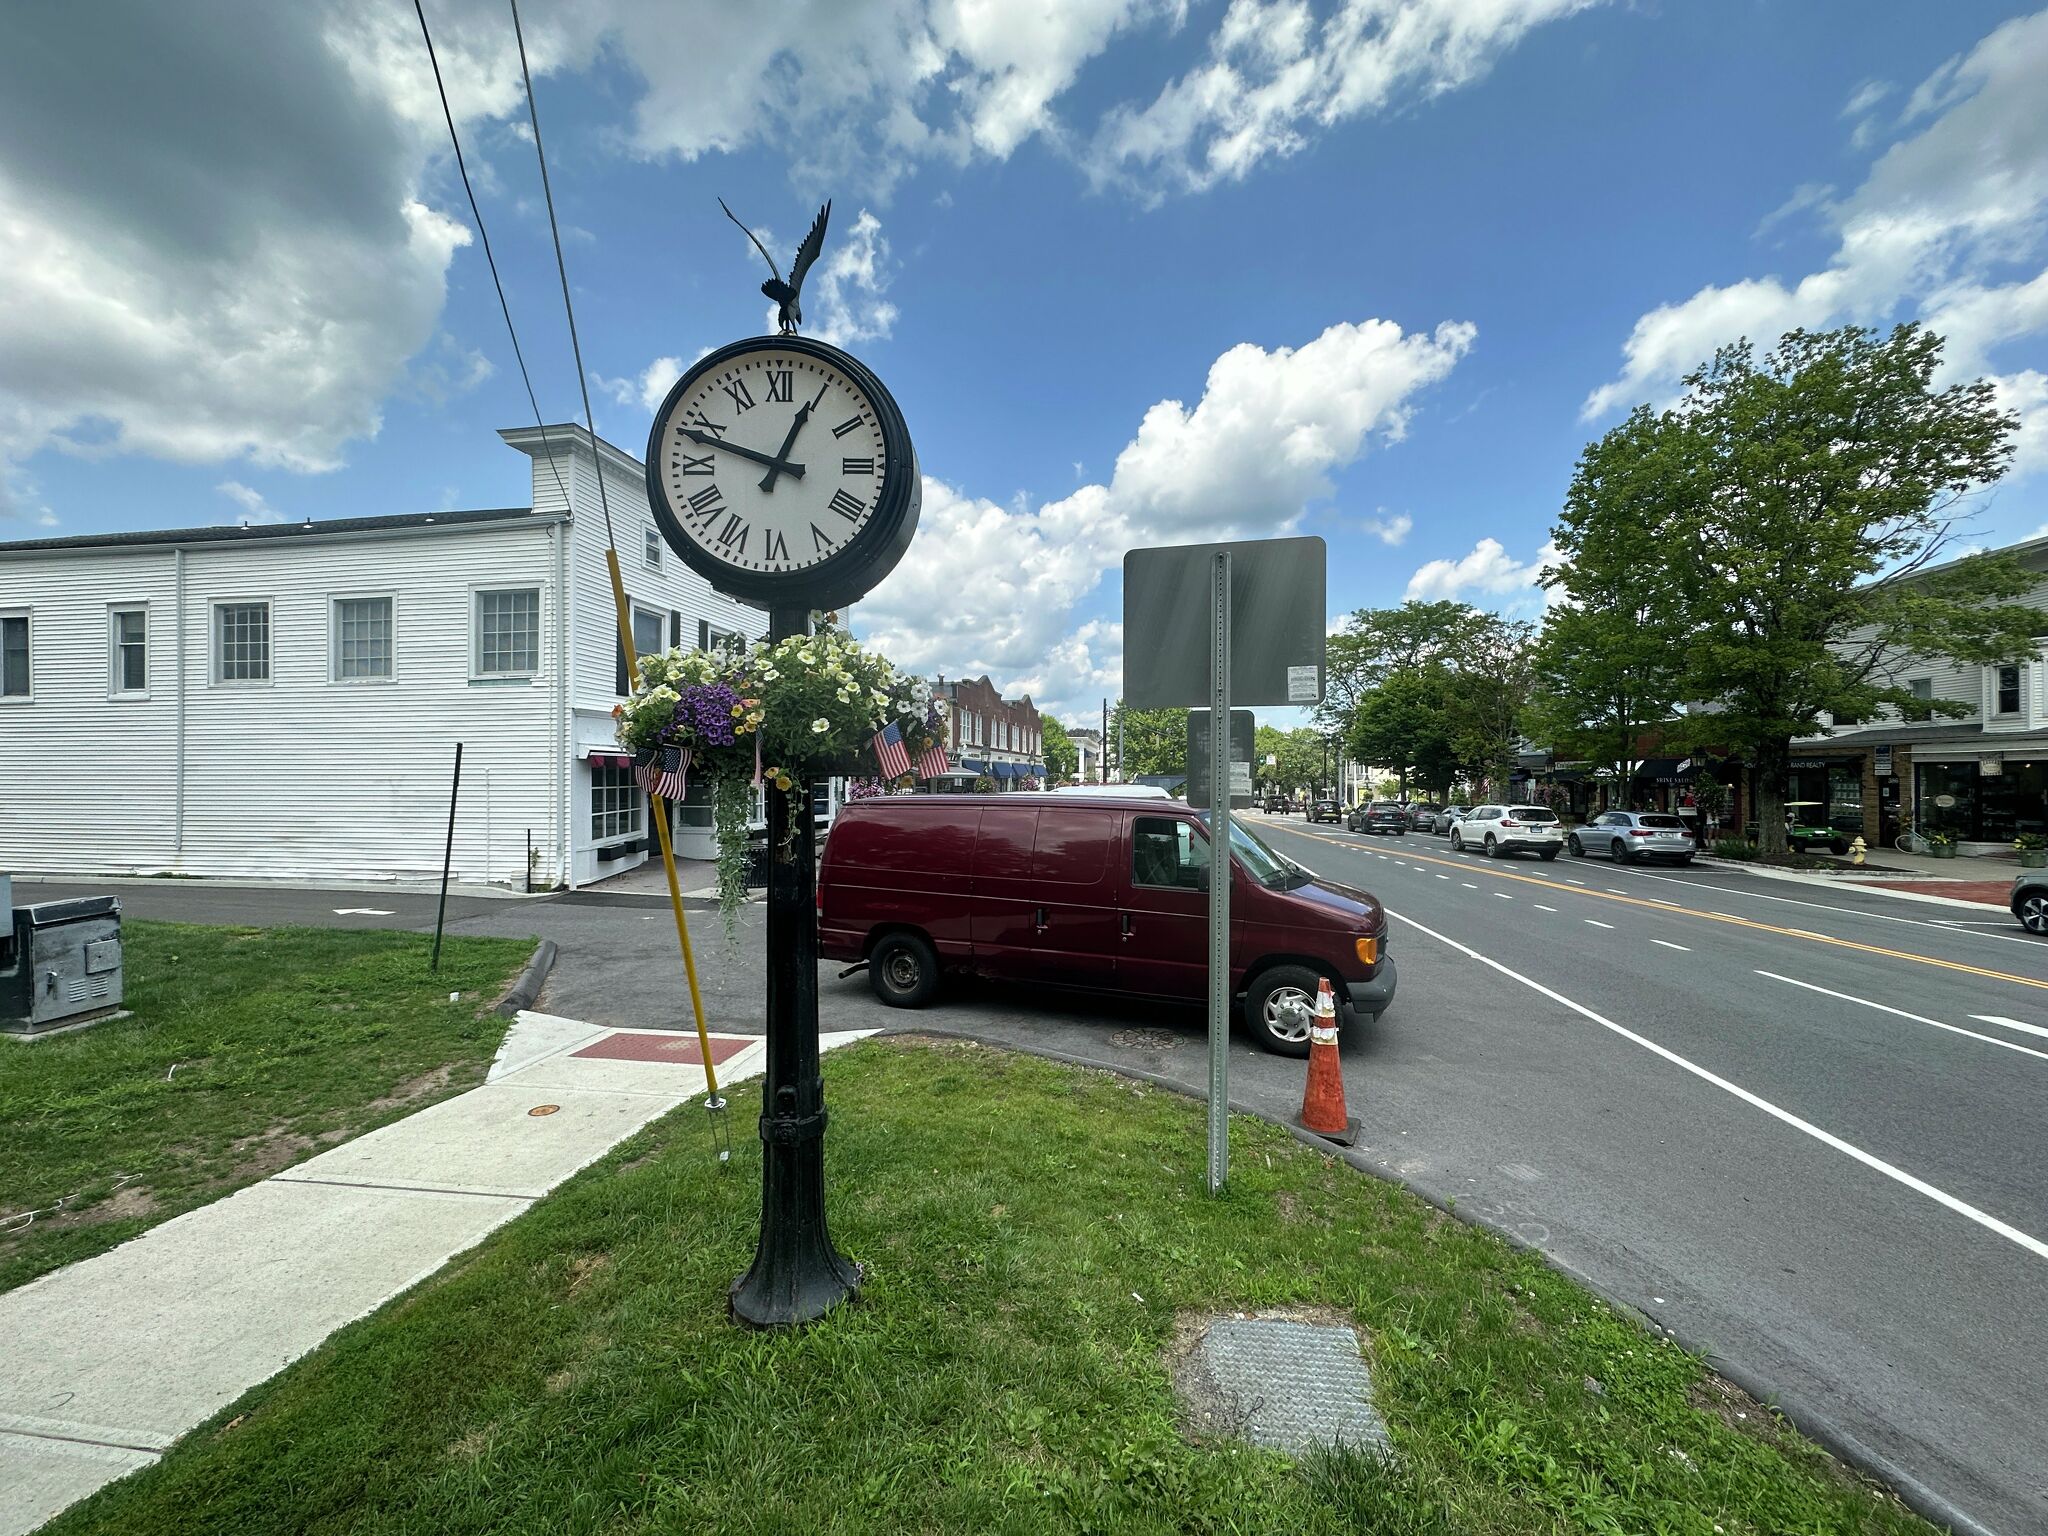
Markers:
(1062, 758)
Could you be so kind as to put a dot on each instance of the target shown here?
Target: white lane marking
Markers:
(361, 912)
(1443, 877)
(1660, 901)
(1597, 923)
(2006, 1230)
(1542, 908)
(1882, 917)
(1574, 882)
(1503, 895)
(1954, 1029)
(1470, 886)
(1995, 1018)
(1615, 890)
(1669, 945)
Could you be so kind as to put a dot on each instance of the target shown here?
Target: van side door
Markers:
(1002, 908)
(1163, 908)
(1073, 874)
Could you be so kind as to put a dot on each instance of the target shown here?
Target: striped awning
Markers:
(608, 757)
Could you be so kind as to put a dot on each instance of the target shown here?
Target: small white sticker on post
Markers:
(1301, 685)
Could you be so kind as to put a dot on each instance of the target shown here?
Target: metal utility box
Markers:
(62, 964)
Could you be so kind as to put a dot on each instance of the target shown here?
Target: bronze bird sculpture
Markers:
(789, 313)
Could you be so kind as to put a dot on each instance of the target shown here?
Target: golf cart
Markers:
(1805, 822)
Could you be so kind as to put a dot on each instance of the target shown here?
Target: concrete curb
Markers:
(530, 981)
(590, 898)
(1812, 1422)
(1880, 887)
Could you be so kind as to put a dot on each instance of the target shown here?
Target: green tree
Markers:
(1377, 643)
(1152, 740)
(1298, 758)
(1818, 488)
(1062, 758)
(1406, 725)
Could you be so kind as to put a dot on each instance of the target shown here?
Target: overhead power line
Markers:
(561, 266)
(483, 236)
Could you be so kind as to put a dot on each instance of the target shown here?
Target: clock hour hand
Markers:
(705, 440)
(796, 425)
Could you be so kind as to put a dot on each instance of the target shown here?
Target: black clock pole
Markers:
(797, 1275)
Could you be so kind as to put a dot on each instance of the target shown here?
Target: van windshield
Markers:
(1259, 861)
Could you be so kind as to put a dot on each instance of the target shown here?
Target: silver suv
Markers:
(1629, 836)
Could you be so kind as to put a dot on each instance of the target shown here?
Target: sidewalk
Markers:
(1967, 882)
(111, 1360)
(647, 885)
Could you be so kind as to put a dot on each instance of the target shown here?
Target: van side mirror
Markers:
(1201, 877)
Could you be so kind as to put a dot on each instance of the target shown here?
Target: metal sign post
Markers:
(1277, 586)
(1219, 872)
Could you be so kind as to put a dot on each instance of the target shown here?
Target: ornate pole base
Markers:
(797, 1275)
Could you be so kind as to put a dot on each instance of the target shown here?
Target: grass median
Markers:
(1032, 1235)
(248, 1050)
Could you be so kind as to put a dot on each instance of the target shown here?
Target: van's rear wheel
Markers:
(904, 970)
(1279, 1007)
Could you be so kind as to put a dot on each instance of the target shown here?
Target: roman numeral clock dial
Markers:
(779, 468)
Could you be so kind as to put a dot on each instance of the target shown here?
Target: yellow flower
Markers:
(737, 711)
(782, 781)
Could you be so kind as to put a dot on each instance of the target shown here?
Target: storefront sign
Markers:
(1881, 761)
(1990, 767)
(1946, 802)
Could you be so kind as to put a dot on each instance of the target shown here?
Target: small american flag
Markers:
(932, 762)
(660, 772)
(890, 756)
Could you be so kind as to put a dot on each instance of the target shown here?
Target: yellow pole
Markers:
(668, 857)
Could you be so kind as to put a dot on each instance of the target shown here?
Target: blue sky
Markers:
(1139, 272)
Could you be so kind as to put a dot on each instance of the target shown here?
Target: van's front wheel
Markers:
(904, 971)
(1279, 1007)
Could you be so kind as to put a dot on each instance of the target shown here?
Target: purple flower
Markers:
(706, 715)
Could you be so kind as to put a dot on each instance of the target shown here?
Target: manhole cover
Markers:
(1283, 1383)
(1146, 1039)
(542, 1109)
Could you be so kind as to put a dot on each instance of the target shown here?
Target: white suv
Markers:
(1510, 829)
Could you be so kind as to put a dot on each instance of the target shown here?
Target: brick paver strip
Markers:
(677, 1048)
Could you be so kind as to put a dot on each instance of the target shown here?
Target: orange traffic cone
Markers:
(1322, 1105)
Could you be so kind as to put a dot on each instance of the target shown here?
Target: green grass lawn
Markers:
(249, 1049)
(1032, 1234)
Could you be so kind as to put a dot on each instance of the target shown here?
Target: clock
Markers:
(781, 471)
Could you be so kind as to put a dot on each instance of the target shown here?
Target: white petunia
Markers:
(820, 726)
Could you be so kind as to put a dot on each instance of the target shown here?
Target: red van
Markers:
(1094, 892)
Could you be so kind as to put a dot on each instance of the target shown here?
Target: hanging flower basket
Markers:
(774, 717)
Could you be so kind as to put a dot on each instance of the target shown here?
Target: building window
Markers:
(1923, 687)
(508, 632)
(241, 642)
(128, 650)
(651, 548)
(2008, 690)
(614, 803)
(648, 625)
(362, 639)
(14, 666)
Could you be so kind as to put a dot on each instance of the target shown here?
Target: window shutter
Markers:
(620, 682)
(675, 628)
(703, 634)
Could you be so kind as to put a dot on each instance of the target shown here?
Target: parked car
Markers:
(1448, 817)
(1379, 816)
(1501, 829)
(1327, 809)
(1629, 836)
(1803, 827)
(2030, 901)
(1420, 814)
(1106, 894)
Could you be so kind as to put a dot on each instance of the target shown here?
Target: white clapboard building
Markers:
(285, 701)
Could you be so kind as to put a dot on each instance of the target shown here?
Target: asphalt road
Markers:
(1772, 1117)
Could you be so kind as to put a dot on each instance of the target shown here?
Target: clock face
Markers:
(770, 458)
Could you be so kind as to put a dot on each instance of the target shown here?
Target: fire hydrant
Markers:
(1856, 850)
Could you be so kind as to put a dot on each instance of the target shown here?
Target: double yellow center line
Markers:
(1673, 910)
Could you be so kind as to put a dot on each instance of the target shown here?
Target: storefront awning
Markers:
(1664, 770)
(608, 757)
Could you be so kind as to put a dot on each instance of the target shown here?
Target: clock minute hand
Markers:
(796, 425)
(705, 440)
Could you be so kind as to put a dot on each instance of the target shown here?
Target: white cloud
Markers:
(1488, 569)
(990, 588)
(1866, 96)
(649, 389)
(1389, 530)
(1939, 216)
(849, 307)
(254, 508)
(1276, 77)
